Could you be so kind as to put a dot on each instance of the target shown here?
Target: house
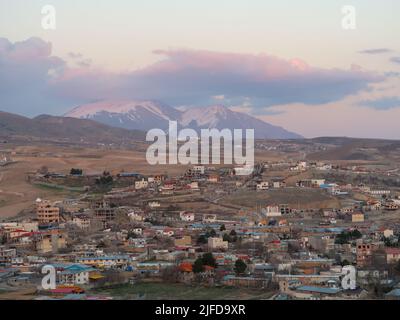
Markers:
(272, 211)
(364, 253)
(168, 187)
(373, 205)
(137, 231)
(357, 217)
(81, 221)
(307, 292)
(391, 205)
(379, 192)
(159, 178)
(105, 262)
(165, 232)
(141, 184)
(194, 185)
(263, 185)
(184, 241)
(50, 241)
(392, 255)
(154, 204)
(300, 166)
(311, 183)
(209, 218)
(198, 170)
(217, 243)
(278, 183)
(150, 267)
(103, 211)
(138, 242)
(46, 212)
(247, 282)
(75, 274)
(387, 233)
(136, 215)
(27, 226)
(186, 216)
(213, 178)
(7, 254)
(322, 243)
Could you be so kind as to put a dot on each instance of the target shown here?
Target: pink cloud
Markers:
(37, 79)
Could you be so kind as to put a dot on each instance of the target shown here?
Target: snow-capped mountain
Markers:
(221, 117)
(140, 115)
(146, 115)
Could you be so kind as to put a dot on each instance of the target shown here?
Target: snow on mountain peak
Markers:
(209, 116)
(148, 114)
(120, 107)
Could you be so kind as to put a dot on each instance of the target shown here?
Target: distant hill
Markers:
(50, 127)
(355, 149)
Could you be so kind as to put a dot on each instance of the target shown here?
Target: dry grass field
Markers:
(17, 194)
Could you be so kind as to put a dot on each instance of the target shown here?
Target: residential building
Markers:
(47, 213)
(217, 243)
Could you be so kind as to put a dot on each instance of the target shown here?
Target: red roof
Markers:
(392, 250)
(186, 267)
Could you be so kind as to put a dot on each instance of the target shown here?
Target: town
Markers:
(284, 232)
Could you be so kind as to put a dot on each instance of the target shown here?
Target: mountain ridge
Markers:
(149, 114)
(63, 128)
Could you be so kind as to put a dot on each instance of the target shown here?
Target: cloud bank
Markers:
(33, 81)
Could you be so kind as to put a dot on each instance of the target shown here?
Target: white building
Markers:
(217, 243)
(379, 192)
(193, 185)
(263, 185)
(186, 216)
(272, 211)
(135, 216)
(81, 221)
(75, 275)
(138, 231)
(209, 218)
(198, 169)
(142, 184)
(154, 204)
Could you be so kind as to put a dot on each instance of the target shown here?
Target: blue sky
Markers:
(289, 48)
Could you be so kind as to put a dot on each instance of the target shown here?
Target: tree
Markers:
(202, 239)
(211, 233)
(222, 228)
(209, 260)
(345, 263)
(355, 234)
(76, 172)
(198, 265)
(105, 179)
(346, 236)
(240, 266)
(232, 233)
(227, 237)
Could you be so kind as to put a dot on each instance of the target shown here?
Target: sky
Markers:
(291, 63)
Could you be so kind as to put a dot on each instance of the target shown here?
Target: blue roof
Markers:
(394, 293)
(74, 296)
(282, 297)
(77, 268)
(319, 289)
(104, 258)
